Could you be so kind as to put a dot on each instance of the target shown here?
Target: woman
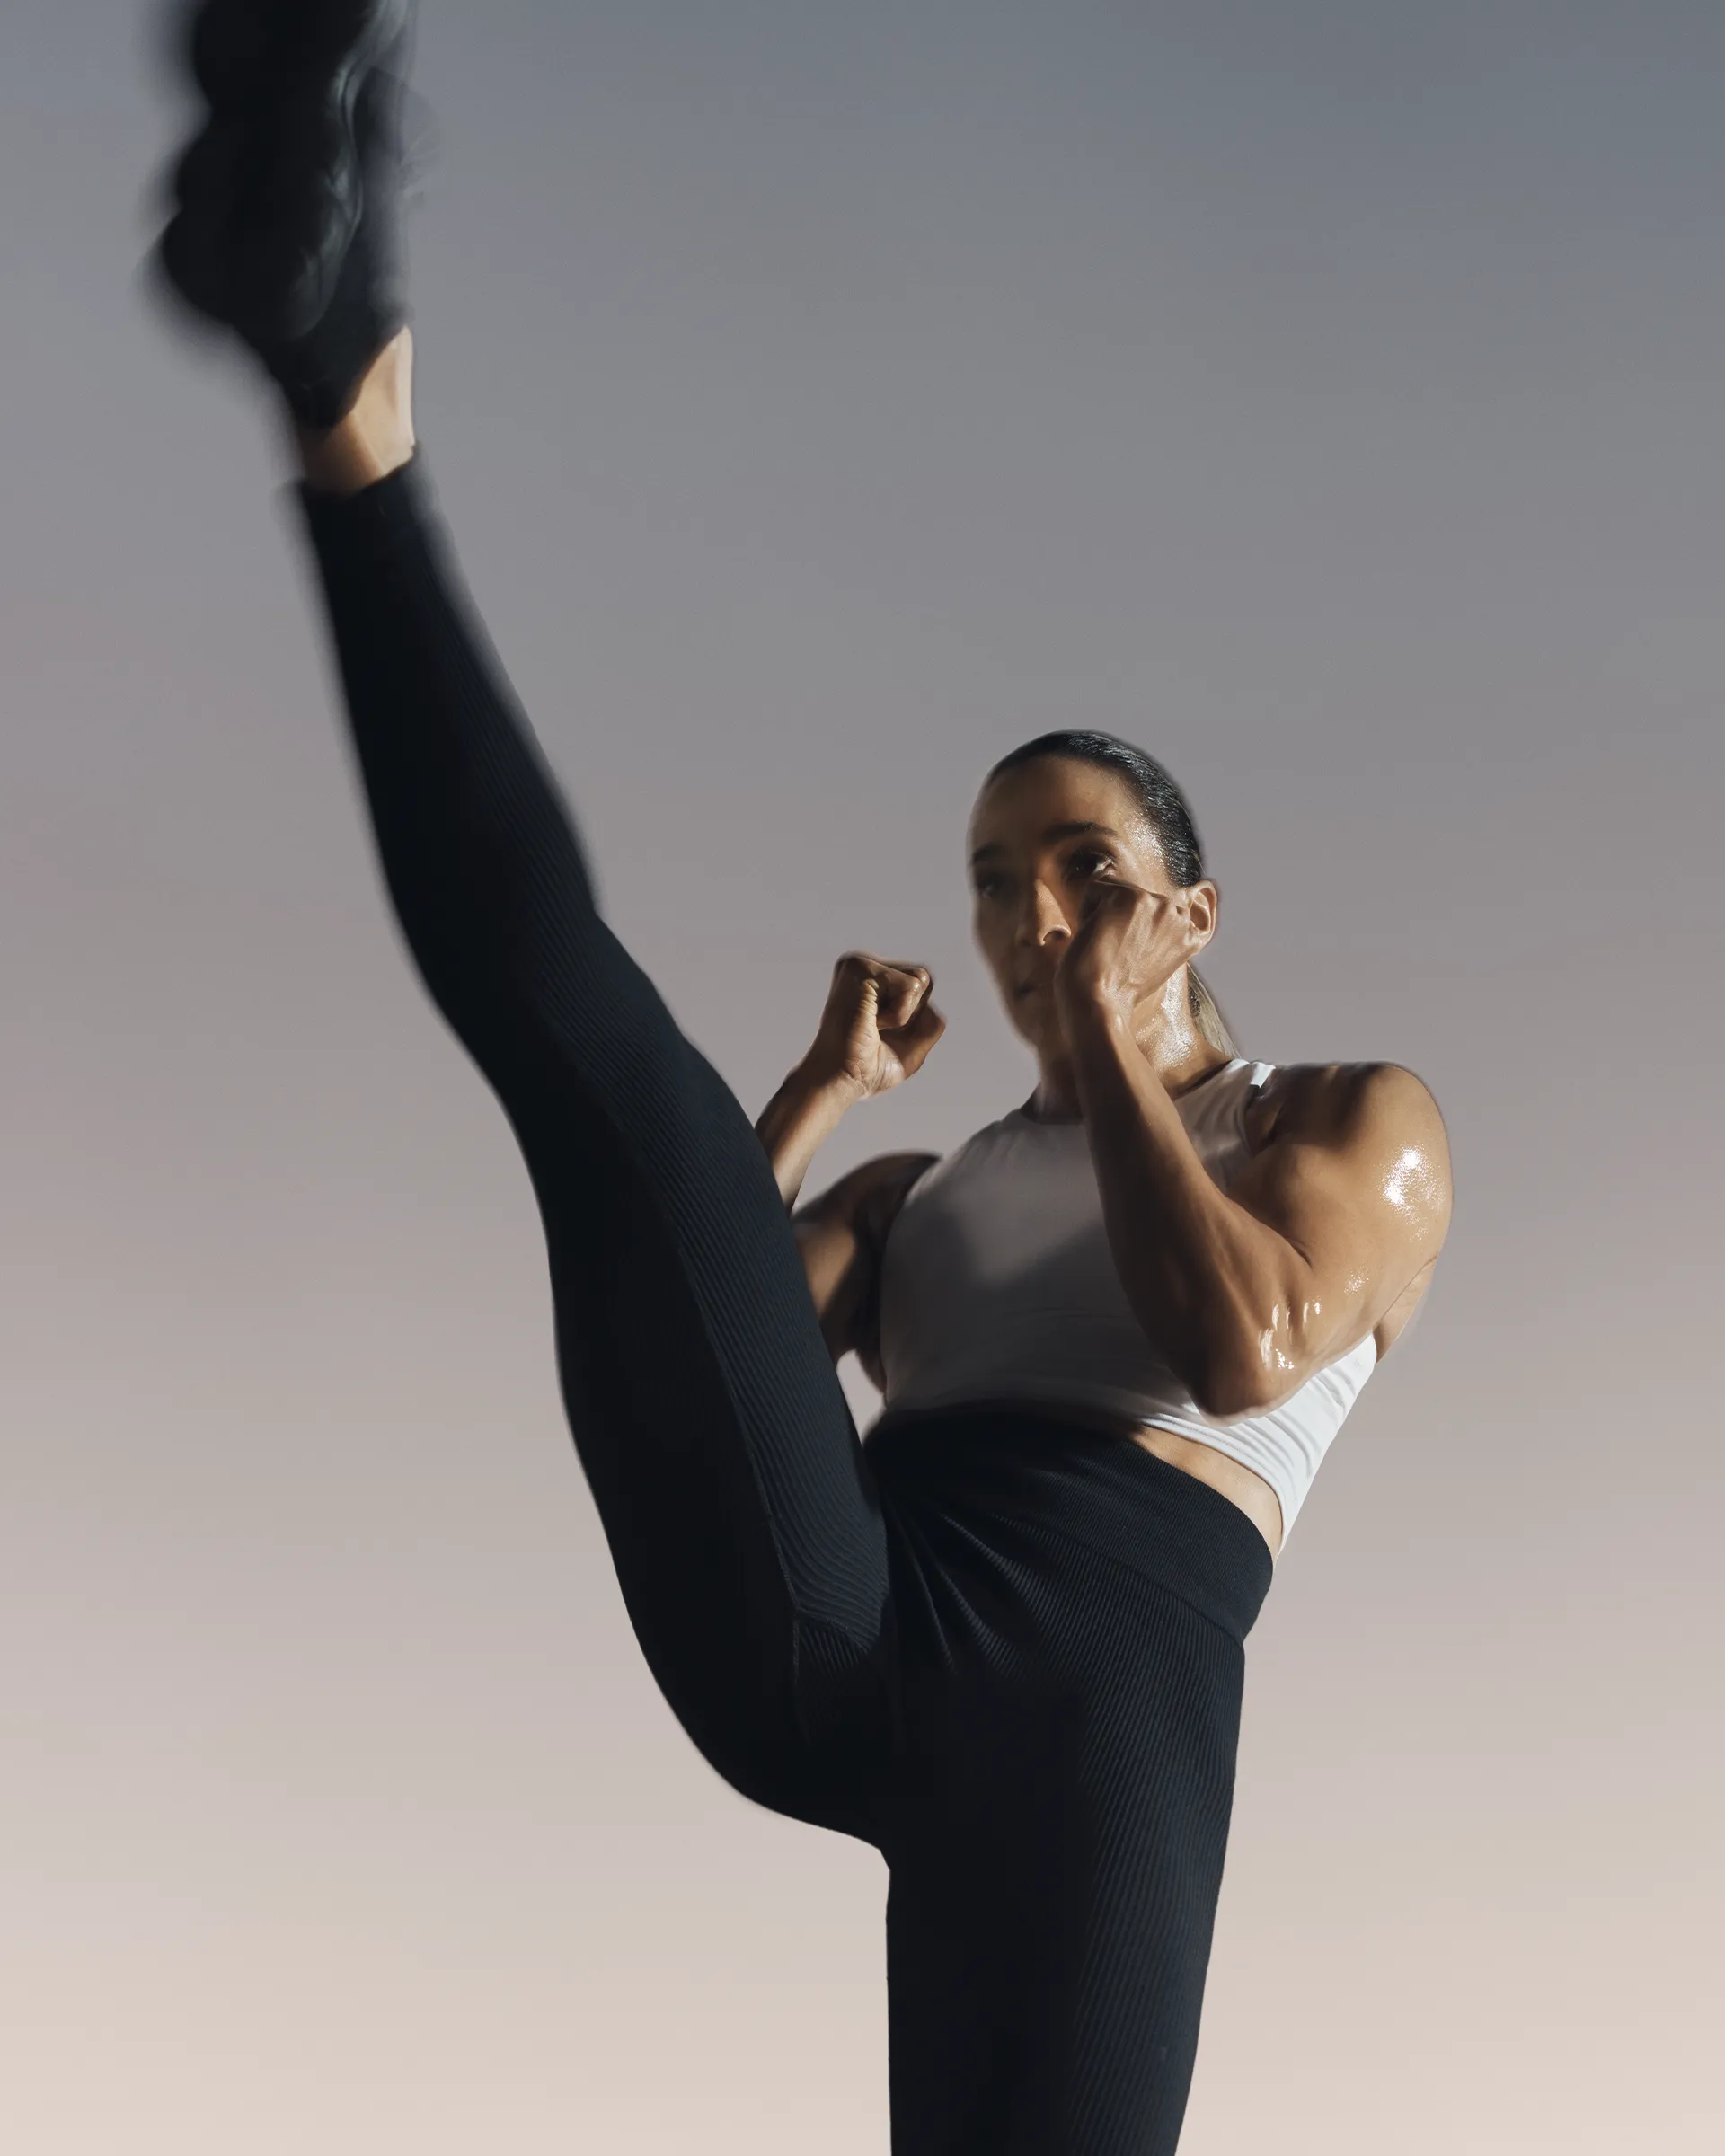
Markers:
(1002, 1642)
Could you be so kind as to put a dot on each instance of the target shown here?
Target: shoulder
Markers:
(1338, 1102)
(1373, 1124)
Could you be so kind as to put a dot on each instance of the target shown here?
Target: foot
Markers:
(287, 226)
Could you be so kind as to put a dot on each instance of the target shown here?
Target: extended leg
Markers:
(708, 1416)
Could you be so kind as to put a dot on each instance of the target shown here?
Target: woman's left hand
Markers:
(1128, 945)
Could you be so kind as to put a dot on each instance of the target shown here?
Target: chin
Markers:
(1035, 1021)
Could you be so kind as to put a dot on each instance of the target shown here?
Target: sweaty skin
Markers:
(1330, 1231)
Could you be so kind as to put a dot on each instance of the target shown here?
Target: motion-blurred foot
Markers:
(287, 226)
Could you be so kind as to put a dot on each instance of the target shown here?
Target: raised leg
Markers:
(715, 1435)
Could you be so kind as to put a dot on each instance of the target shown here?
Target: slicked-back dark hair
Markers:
(1169, 815)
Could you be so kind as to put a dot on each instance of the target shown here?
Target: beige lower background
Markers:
(342, 1814)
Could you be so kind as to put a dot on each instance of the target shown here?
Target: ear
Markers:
(1203, 903)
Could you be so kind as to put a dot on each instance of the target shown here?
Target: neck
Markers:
(1179, 1055)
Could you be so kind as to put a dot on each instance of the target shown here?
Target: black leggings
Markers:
(1004, 1650)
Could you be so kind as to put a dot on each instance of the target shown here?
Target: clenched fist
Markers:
(878, 1025)
(1130, 944)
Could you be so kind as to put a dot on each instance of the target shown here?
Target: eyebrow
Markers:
(1054, 831)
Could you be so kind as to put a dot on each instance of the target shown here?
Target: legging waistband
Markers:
(1074, 1480)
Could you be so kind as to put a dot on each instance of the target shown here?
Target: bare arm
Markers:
(876, 1030)
(798, 1121)
(1247, 1293)
(839, 1233)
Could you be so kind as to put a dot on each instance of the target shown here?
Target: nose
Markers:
(1043, 919)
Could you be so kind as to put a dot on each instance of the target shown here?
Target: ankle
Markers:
(374, 437)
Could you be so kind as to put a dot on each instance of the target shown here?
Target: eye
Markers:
(1095, 854)
(986, 884)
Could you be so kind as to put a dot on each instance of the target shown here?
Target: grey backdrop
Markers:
(825, 399)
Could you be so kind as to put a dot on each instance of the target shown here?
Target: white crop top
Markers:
(997, 1283)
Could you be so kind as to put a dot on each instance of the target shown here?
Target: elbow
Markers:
(1223, 1393)
(1239, 1377)
(1232, 1361)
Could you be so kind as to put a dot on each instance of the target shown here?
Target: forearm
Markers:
(1214, 1289)
(797, 1122)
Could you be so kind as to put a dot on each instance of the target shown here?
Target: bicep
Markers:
(1356, 1184)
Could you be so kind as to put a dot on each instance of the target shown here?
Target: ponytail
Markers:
(1206, 1014)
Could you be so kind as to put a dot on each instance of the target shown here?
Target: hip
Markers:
(1015, 1482)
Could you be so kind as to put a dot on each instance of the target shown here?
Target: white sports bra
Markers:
(997, 1283)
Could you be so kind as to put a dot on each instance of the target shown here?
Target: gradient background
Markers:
(827, 399)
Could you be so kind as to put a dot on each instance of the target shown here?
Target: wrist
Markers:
(797, 1122)
(821, 1090)
(1108, 1059)
(1092, 1019)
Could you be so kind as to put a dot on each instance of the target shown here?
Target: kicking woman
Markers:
(1116, 1329)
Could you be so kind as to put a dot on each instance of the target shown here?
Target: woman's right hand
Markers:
(878, 1025)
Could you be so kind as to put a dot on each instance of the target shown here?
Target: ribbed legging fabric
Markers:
(1004, 1650)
